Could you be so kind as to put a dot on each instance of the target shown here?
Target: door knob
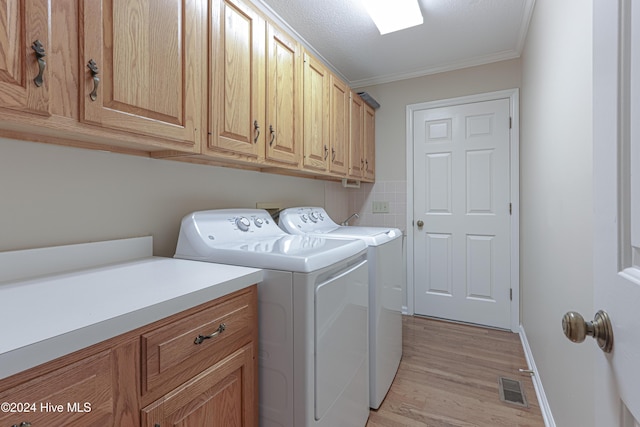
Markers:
(420, 223)
(576, 329)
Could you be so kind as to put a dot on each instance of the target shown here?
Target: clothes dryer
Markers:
(386, 272)
(313, 314)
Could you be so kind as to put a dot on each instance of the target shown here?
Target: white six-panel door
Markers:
(616, 163)
(462, 195)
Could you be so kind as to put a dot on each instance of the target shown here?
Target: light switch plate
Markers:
(380, 207)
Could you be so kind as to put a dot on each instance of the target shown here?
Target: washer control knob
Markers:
(243, 223)
(313, 217)
(304, 218)
(258, 222)
(320, 216)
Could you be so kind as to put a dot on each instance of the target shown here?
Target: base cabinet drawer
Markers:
(174, 353)
(221, 396)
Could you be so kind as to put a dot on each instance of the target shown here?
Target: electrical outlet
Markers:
(380, 207)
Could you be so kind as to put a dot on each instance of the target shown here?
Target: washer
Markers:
(313, 314)
(386, 270)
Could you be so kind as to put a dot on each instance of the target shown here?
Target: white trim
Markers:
(440, 68)
(537, 382)
(514, 107)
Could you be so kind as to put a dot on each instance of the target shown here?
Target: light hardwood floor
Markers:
(449, 377)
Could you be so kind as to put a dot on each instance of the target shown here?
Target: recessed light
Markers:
(390, 16)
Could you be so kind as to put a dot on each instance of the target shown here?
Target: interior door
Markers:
(462, 212)
(617, 206)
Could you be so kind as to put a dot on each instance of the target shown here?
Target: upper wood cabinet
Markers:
(236, 79)
(369, 143)
(284, 97)
(203, 81)
(316, 114)
(141, 68)
(356, 136)
(361, 139)
(339, 127)
(24, 46)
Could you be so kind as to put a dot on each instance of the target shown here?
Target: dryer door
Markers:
(341, 345)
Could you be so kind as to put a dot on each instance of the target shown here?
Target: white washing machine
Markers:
(386, 273)
(313, 314)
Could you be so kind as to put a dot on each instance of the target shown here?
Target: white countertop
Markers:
(48, 317)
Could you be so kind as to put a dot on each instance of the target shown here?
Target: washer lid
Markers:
(219, 236)
(372, 236)
(314, 221)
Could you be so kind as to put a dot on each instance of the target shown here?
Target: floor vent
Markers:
(511, 392)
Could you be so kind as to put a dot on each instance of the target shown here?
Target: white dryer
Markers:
(386, 272)
(313, 312)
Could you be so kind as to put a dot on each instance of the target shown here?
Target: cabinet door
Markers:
(147, 73)
(316, 114)
(284, 97)
(236, 111)
(339, 126)
(24, 28)
(222, 396)
(77, 395)
(369, 144)
(356, 135)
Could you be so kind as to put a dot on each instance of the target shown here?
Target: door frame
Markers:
(514, 167)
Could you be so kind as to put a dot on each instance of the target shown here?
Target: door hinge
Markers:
(510, 294)
(509, 122)
(510, 209)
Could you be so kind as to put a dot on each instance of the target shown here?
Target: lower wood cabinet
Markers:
(185, 370)
(80, 394)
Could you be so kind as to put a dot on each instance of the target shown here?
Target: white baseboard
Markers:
(537, 384)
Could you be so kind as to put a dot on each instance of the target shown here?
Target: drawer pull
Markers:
(201, 338)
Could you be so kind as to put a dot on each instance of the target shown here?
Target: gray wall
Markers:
(556, 201)
(54, 195)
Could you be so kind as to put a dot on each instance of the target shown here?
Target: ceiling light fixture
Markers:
(390, 16)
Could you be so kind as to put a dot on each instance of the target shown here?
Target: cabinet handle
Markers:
(257, 128)
(201, 338)
(22, 424)
(366, 165)
(93, 67)
(40, 53)
(273, 134)
(333, 154)
(326, 152)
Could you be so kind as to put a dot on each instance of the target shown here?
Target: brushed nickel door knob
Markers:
(576, 329)
(420, 223)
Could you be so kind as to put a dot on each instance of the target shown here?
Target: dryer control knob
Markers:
(258, 222)
(313, 217)
(304, 218)
(243, 223)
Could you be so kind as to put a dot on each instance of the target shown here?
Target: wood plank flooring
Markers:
(448, 377)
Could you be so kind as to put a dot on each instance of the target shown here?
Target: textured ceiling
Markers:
(455, 34)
